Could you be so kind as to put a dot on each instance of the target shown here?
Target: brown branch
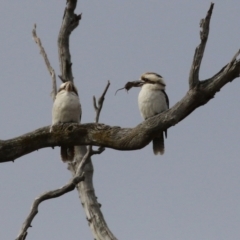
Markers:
(49, 67)
(86, 190)
(197, 59)
(43, 197)
(89, 201)
(98, 107)
(77, 178)
(69, 23)
(97, 223)
(107, 136)
(116, 137)
(79, 175)
(227, 74)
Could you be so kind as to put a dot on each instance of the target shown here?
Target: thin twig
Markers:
(234, 59)
(46, 196)
(98, 107)
(49, 67)
(197, 59)
(79, 176)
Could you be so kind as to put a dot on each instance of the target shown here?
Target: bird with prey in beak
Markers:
(152, 100)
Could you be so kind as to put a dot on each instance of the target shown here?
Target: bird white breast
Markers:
(66, 108)
(151, 100)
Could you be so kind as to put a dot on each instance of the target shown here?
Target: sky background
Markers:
(192, 191)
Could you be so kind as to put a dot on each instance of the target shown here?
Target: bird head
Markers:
(153, 78)
(69, 87)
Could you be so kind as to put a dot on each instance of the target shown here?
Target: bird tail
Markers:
(67, 153)
(158, 144)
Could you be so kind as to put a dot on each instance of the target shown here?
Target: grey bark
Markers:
(81, 168)
(114, 136)
(85, 188)
(199, 93)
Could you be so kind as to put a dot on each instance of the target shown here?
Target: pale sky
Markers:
(192, 191)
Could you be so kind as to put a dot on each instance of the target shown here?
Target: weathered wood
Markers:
(116, 137)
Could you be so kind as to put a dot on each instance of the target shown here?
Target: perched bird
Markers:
(66, 109)
(152, 100)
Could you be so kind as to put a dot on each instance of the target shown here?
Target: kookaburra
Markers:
(66, 109)
(152, 100)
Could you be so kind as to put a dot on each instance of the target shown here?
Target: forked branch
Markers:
(200, 92)
(77, 178)
(130, 138)
(117, 137)
(46, 196)
(79, 172)
(86, 190)
(197, 59)
(98, 107)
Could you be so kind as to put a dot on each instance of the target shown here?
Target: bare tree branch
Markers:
(197, 59)
(49, 67)
(77, 178)
(69, 23)
(89, 201)
(200, 92)
(98, 107)
(116, 137)
(85, 189)
(123, 138)
(46, 196)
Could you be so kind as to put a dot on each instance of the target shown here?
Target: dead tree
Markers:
(101, 135)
